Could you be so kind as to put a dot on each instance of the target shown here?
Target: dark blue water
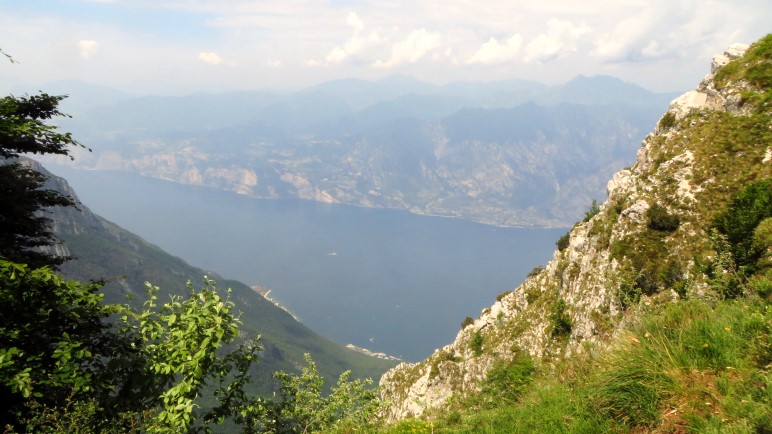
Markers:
(386, 280)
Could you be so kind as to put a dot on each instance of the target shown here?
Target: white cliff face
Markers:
(706, 96)
(594, 272)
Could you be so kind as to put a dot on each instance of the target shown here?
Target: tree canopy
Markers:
(24, 225)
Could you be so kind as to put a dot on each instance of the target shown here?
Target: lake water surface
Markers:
(382, 279)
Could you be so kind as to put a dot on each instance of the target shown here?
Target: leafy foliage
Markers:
(661, 220)
(54, 343)
(178, 343)
(23, 129)
(592, 212)
(560, 321)
(667, 121)
(747, 210)
(563, 241)
(476, 343)
(302, 408)
(23, 226)
(63, 367)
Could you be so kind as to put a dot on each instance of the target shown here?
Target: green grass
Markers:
(701, 364)
(684, 367)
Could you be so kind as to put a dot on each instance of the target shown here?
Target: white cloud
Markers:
(210, 58)
(493, 51)
(87, 48)
(670, 31)
(355, 44)
(355, 22)
(412, 49)
(338, 54)
(653, 49)
(273, 63)
(624, 40)
(650, 42)
(561, 38)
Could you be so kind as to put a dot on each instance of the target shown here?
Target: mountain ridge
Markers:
(336, 143)
(640, 249)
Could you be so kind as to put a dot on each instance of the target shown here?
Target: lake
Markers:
(382, 279)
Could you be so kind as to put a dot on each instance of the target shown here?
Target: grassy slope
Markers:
(690, 367)
(700, 365)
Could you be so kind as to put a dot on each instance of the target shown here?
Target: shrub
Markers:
(668, 121)
(629, 294)
(476, 343)
(593, 211)
(304, 407)
(661, 220)
(502, 295)
(561, 321)
(563, 241)
(467, 322)
(536, 270)
(746, 211)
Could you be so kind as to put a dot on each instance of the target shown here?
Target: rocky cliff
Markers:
(647, 244)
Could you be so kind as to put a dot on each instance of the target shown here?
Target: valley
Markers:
(381, 279)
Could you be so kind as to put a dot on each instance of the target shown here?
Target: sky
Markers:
(172, 47)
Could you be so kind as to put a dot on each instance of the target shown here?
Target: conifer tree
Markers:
(24, 226)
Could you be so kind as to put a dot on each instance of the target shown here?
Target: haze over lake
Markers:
(382, 279)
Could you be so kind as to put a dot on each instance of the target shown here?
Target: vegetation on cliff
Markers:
(654, 314)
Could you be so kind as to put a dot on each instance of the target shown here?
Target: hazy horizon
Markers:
(180, 47)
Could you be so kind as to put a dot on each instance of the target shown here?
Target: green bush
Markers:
(476, 343)
(536, 270)
(303, 407)
(592, 212)
(467, 322)
(562, 242)
(668, 121)
(660, 220)
(748, 209)
(502, 295)
(560, 320)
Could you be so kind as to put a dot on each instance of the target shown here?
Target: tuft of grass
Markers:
(690, 360)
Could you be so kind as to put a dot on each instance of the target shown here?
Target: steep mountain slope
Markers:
(649, 244)
(103, 250)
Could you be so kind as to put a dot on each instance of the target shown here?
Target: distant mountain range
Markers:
(513, 153)
(104, 250)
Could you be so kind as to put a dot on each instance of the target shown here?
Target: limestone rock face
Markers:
(733, 52)
(592, 274)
